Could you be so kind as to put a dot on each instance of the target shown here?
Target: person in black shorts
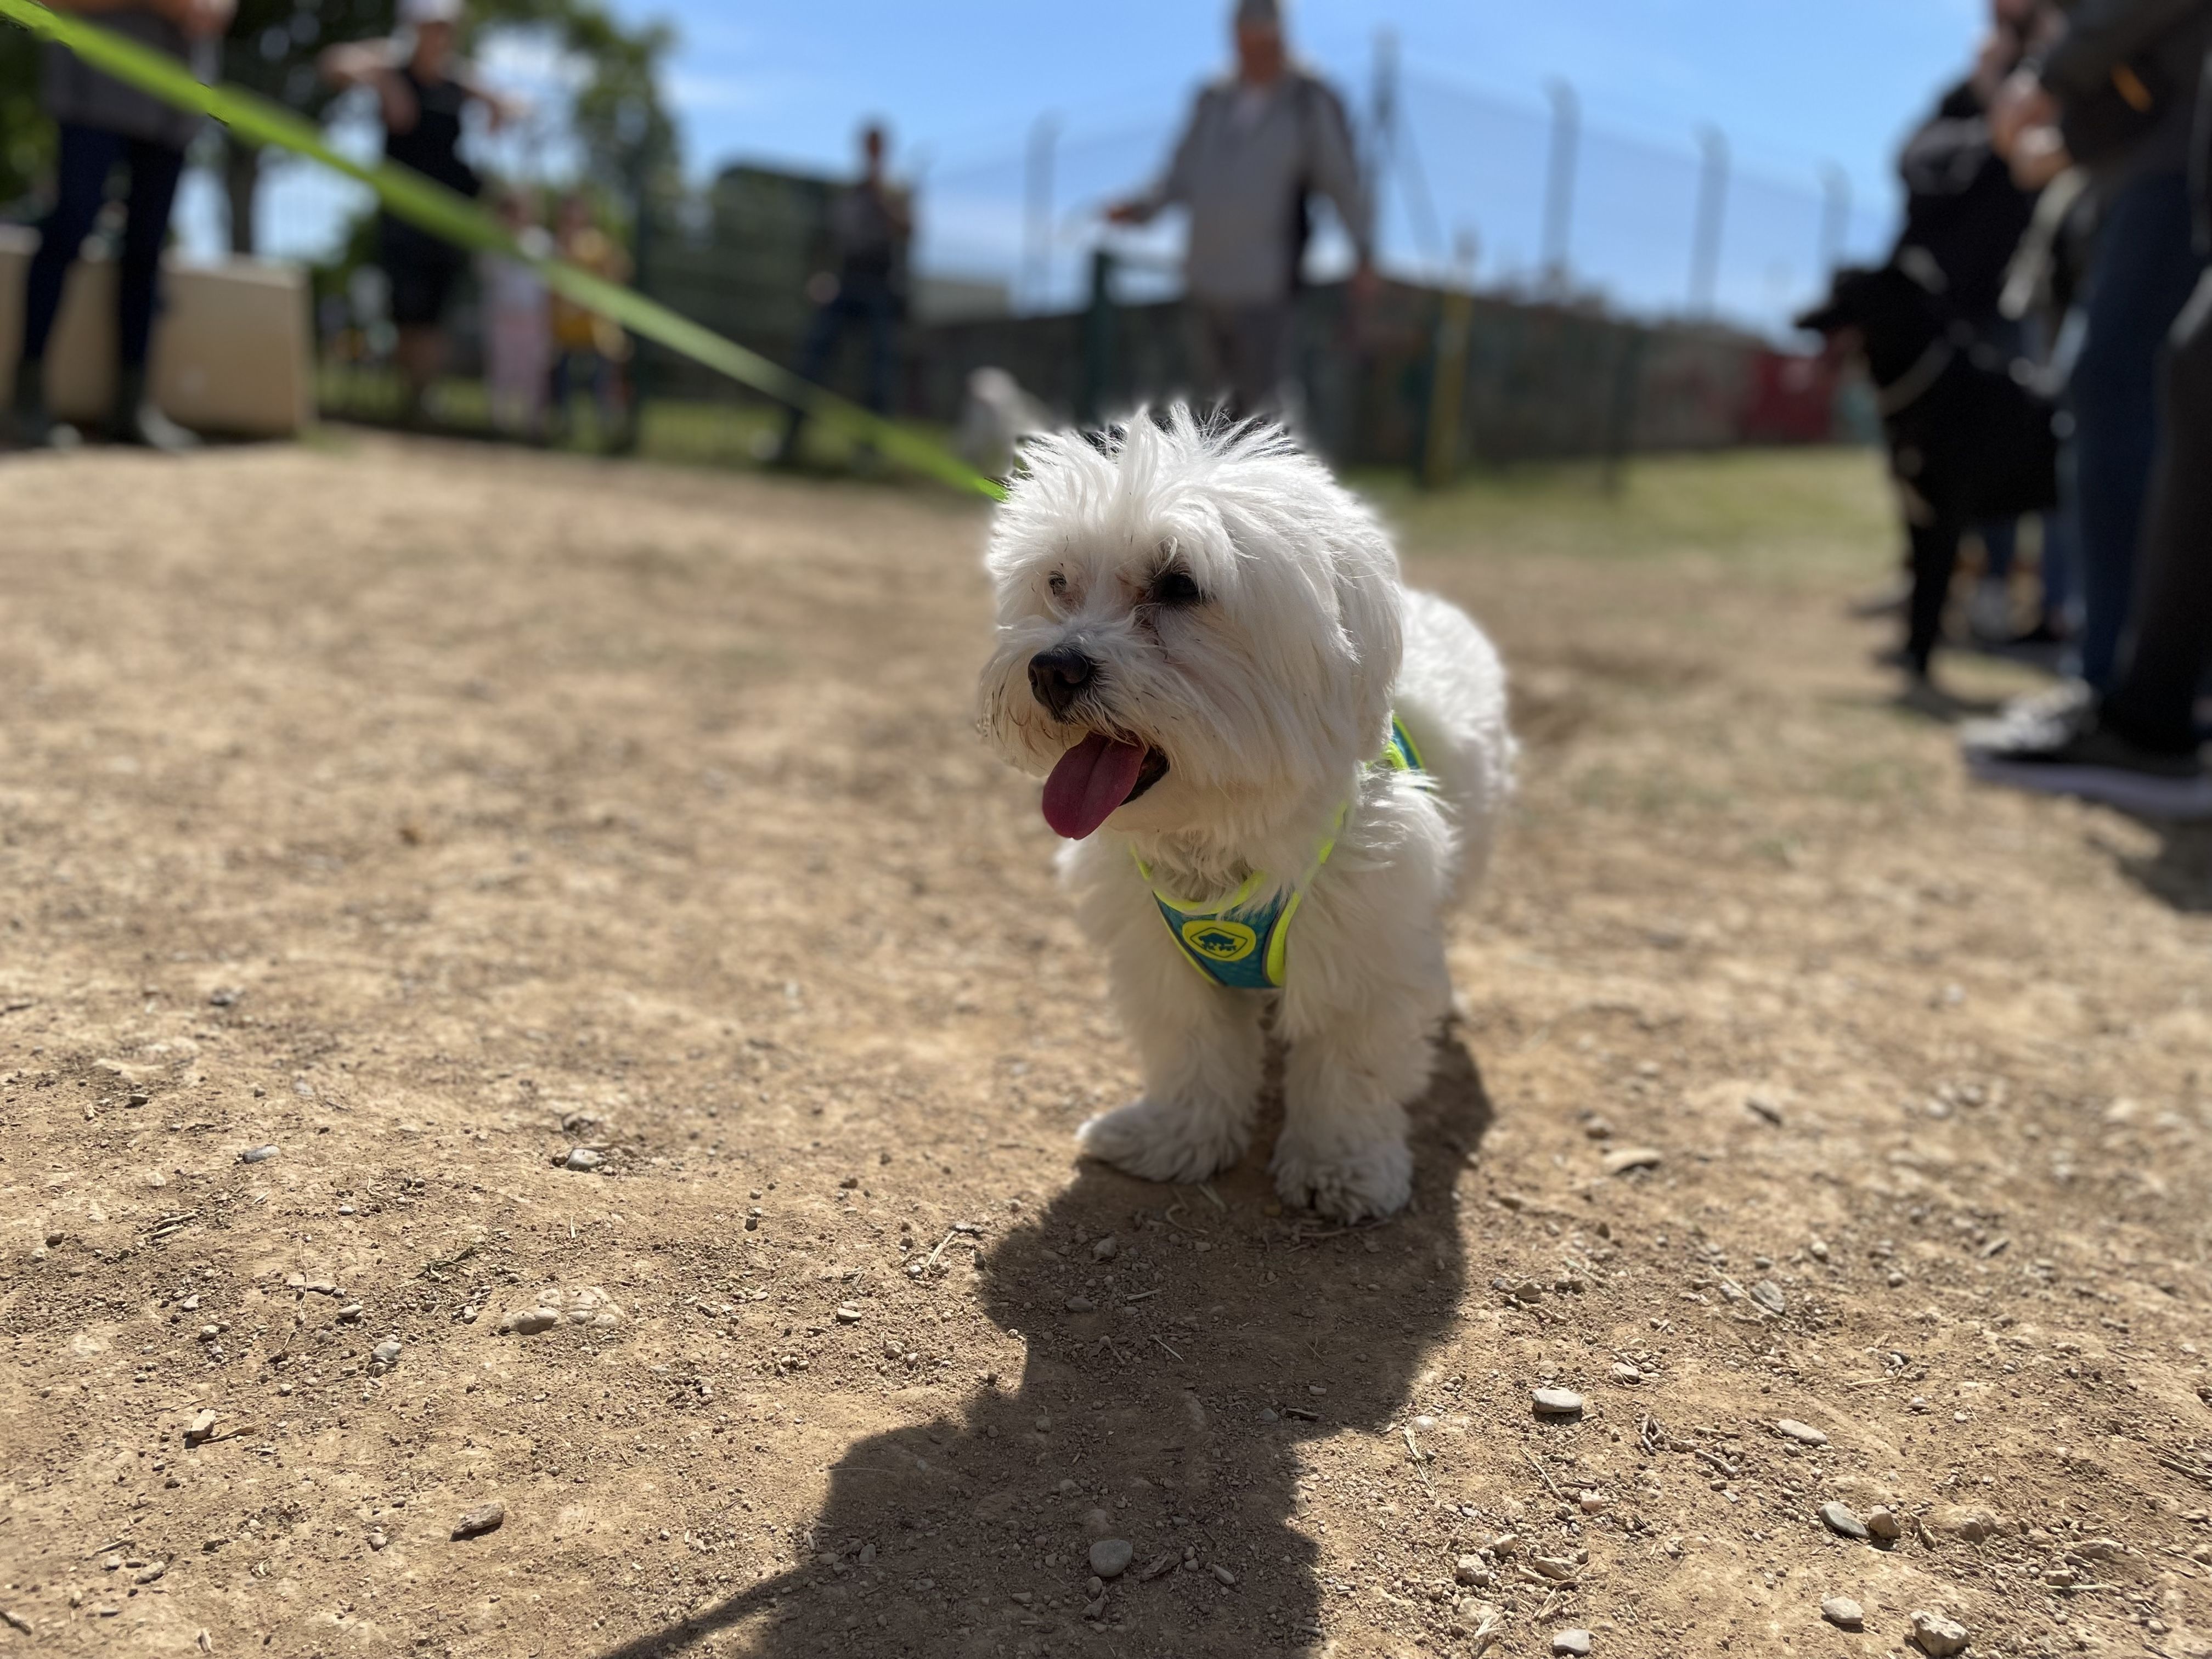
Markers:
(424, 92)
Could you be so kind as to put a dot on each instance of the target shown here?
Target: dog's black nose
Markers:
(1058, 677)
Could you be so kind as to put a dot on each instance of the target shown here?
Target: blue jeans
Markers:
(2144, 268)
(88, 157)
(874, 307)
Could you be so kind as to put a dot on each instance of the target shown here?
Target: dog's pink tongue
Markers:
(1092, 780)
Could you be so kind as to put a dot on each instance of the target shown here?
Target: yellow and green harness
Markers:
(1241, 944)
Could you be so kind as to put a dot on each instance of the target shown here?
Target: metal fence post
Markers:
(1835, 215)
(1036, 218)
(1713, 210)
(1559, 183)
(1098, 341)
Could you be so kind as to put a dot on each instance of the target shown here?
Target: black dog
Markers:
(1969, 440)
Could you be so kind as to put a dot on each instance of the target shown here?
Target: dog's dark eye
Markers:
(1174, 587)
(1057, 583)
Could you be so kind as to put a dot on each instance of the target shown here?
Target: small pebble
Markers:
(199, 1429)
(527, 1322)
(1622, 1160)
(1626, 1374)
(1472, 1569)
(848, 1313)
(480, 1519)
(350, 1312)
(1768, 1295)
(377, 1539)
(1884, 1524)
(1576, 1641)
(1844, 1613)
(1110, 1557)
(1938, 1637)
(256, 1154)
(150, 1571)
(1840, 1520)
(1804, 1433)
(1096, 1523)
(1080, 1304)
(1106, 1249)
(1558, 1402)
(1223, 1574)
(386, 1353)
(583, 1160)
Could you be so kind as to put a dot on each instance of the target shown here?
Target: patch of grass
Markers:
(1785, 511)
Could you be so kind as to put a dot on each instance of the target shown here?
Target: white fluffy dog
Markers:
(1204, 649)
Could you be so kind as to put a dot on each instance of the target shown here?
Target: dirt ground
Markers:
(426, 814)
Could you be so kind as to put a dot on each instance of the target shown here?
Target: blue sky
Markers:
(1794, 86)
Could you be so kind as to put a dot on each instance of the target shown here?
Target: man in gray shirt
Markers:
(1258, 143)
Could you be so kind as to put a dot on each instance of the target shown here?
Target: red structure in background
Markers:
(1791, 399)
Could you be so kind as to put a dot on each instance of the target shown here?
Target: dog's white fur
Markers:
(1269, 697)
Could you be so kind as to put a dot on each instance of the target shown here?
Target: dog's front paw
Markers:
(1353, 1183)
(1163, 1140)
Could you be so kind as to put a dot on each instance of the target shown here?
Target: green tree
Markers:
(26, 137)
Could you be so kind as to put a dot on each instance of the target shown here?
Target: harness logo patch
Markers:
(1220, 941)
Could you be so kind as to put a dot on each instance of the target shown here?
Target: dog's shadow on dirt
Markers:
(1169, 1382)
(2180, 872)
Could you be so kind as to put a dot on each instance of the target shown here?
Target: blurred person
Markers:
(2113, 89)
(1966, 212)
(2138, 746)
(518, 324)
(871, 224)
(104, 124)
(1259, 142)
(588, 348)
(423, 91)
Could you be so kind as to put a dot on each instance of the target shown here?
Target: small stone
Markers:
(1804, 1433)
(1622, 1160)
(527, 1322)
(1576, 1641)
(1884, 1524)
(377, 1539)
(1844, 1613)
(350, 1312)
(256, 1154)
(1768, 1295)
(583, 1160)
(1163, 1563)
(1223, 1574)
(1938, 1637)
(1106, 1249)
(1592, 1502)
(848, 1313)
(150, 1571)
(386, 1353)
(480, 1519)
(1626, 1374)
(1472, 1569)
(1841, 1521)
(1558, 1402)
(134, 1098)
(199, 1429)
(1080, 1304)
(1818, 1249)
(1096, 1523)
(1110, 1557)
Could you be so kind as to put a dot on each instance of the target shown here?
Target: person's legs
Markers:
(814, 360)
(882, 349)
(2144, 268)
(155, 170)
(1990, 615)
(2152, 704)
(1260, 338)
(86, 158)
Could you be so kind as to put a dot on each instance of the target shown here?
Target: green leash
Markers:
(448, 213)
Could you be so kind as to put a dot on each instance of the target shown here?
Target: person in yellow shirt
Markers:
(586, 344)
